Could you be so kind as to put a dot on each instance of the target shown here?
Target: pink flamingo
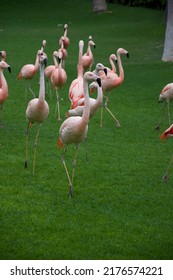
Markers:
(168, 133)
(28, 71)
(37, 109)
(87, 58)
(74, 129)
(166, 95)
(63, 50)
(58, 79)
(112, 80)
(66, 39)
(95, 104)
(76, 90)
(3, 86)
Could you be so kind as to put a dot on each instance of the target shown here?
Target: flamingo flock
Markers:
(102, 80)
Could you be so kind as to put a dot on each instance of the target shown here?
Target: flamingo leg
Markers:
(27, 132)
(165, 177)
(101, 116)
(161, 115)
(66, 170)
(74, 162)
(57, 106)
(169, 116)
(35, 148)
(1, 124)
(109, 111)
(86, 148)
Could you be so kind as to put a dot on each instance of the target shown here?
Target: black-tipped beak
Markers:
(105, 70)
(160, 101)
(94, 46)
(45, 62)
(9, 69)
(99, 82)
(127, 55)
(59, 60)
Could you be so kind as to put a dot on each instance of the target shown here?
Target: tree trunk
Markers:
(99, 6)
(168, 45)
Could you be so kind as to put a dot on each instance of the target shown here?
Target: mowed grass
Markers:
(121, 208)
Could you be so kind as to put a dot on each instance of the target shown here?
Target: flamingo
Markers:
(74, 129)
(66, 39)
(166, 95)
(63, 50)
(113, 80)
(37, 109)
(95, 104)
(76, 90)
(3, 86)
(58, 79)
(87, 58)
(28, 71)
(168, 133)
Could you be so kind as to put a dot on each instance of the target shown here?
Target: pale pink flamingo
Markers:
(113, 80)
(58, 79)
(3, 86)
(76, 89)
(37, 109)
(28, 71)
(168, 133)
(166, 95)
(87, 58)
(74, 129)
(66, 39)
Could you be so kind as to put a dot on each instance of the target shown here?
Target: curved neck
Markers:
(121, 70)
(37, 62)
(3, 82)
(99, 94)
(86, 112)
(42, 83)
(112, 65)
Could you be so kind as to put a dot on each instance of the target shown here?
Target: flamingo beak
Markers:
(9, 69)
(105, 70)
(127, 54)
(94, 46)
(99, 82)
(45, 61)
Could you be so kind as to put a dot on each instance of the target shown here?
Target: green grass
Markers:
(121, 209)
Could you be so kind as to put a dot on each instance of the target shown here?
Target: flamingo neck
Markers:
(42, 83)
(99, 94)
(86, 112)
(3, 83)
(121, 70)
(80, 66)
(37, 62)
(112, 65)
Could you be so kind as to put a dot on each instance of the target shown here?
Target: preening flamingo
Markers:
(166, 95)
(87, 58)
(74, 129)
(113, 80)
(76, 90)
(66, 39)
(58, 79)
(37, 109)
(28, 71)
(3, 86)
(167, 134)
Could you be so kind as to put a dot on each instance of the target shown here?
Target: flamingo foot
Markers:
(26, 163)
(165, 178)
(118, 124)
(59, 119)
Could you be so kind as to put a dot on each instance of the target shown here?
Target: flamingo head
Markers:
(4, 65)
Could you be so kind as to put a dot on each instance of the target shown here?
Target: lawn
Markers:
(121, 208)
